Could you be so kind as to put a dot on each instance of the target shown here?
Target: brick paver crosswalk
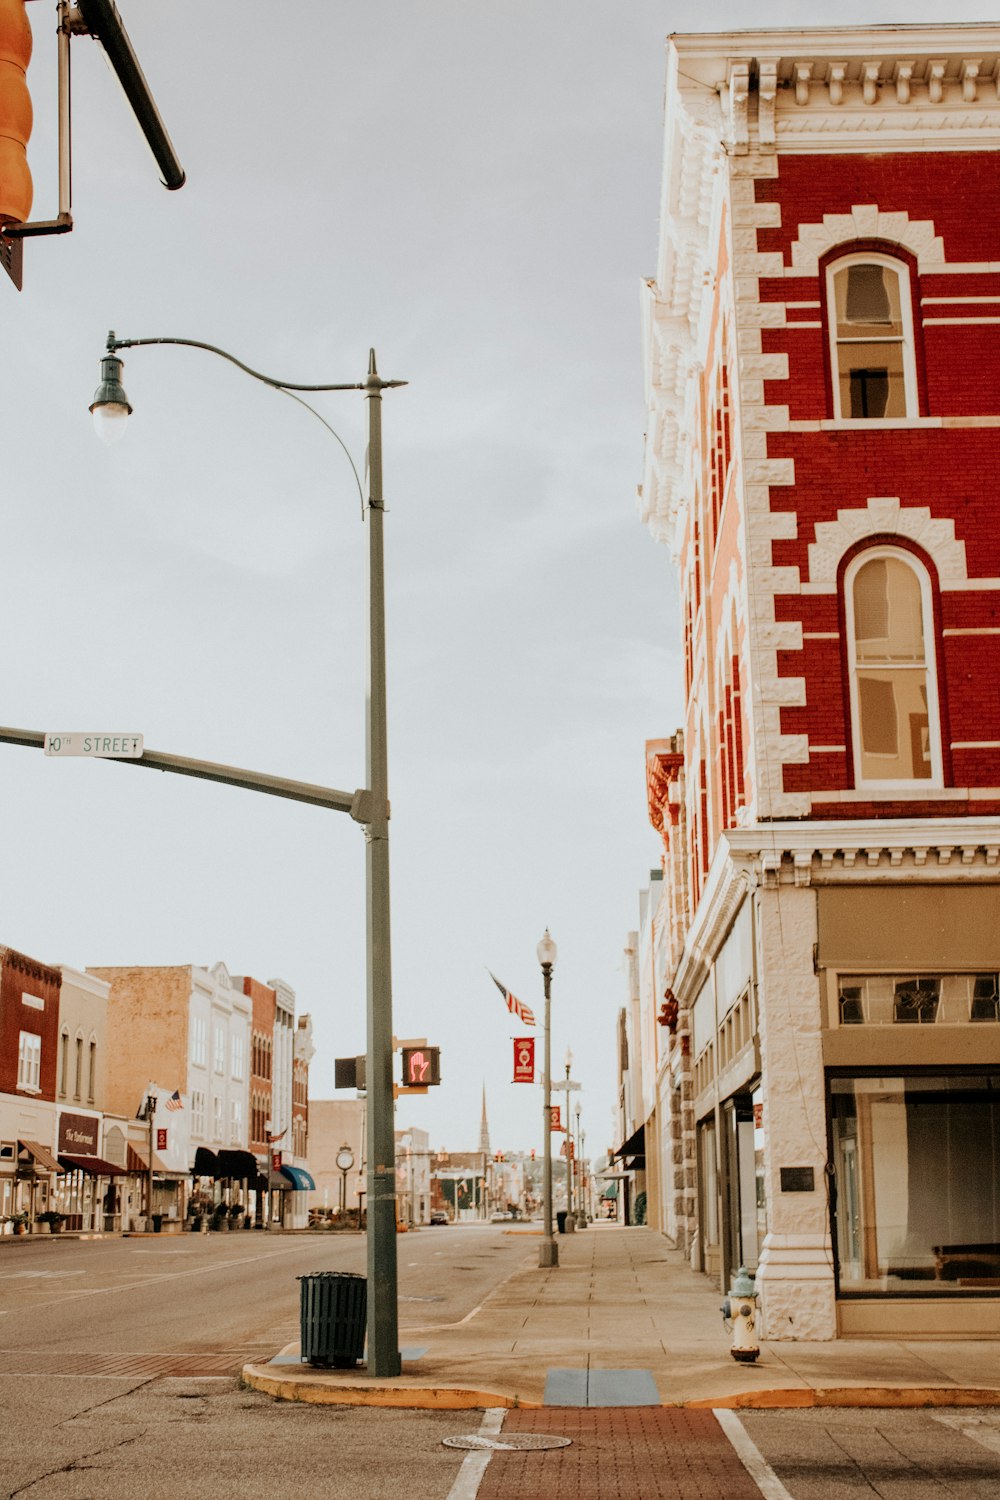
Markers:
(626, 1453)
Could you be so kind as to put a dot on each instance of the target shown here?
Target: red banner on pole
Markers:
(161, 1140)
(555, 1117)
(524, 1059)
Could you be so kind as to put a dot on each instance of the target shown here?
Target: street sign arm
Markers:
(357, 803)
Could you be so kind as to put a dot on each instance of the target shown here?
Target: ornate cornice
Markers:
(900, 88)
(664, 775)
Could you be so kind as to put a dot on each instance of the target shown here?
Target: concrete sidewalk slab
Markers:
(622, 1300)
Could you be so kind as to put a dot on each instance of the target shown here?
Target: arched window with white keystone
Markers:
(871, 335)
(894, 699)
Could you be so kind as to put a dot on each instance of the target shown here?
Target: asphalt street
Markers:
(119, 1367)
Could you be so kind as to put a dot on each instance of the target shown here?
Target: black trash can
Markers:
(561, 1221)
(157, 1223)
(333, 1310)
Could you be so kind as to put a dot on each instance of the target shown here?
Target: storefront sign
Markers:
(77, 1135)
(524, 1059)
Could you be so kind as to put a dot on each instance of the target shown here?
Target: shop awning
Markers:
(299, 1178)
(42, 1155)
(206, 1163)
(609, 1190)
(94, 1166)
(277, 1183)
(236, 1166)
(137, 1160)
(633, 1152)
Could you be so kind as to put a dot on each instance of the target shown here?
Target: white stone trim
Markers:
(884, 515)
(866, 222)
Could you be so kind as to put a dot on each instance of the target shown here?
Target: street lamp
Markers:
(570, 1223)
(581, 1212)
(548, 1253)
(111, 408)
(150, 1116)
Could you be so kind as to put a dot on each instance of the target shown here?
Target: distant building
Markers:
(337, 1153)
(29, 1062)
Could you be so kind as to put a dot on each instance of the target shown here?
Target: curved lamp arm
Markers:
(110, 399)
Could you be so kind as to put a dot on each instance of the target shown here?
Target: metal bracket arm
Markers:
(359, 803)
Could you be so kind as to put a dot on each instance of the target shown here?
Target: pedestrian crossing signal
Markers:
(421, 1066)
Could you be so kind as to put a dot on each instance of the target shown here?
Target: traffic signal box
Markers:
(15, 113)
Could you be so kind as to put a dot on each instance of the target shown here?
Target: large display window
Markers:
(915, 1193)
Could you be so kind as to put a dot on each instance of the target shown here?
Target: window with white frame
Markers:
(216, 1117)
(29, 1061)
(199, 1041)
(894, 705)
(871, 333)
(220, 1049)
(236, 1122)
(197, 1112)
(239, 1054)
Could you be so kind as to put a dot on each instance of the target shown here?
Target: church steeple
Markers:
(484, 1128)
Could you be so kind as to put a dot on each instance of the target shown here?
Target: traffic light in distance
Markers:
(421, 1066)
(15, 113)
(532, 1153)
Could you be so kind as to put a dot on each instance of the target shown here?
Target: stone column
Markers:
(795, 1275)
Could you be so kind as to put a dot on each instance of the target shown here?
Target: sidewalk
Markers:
(622, 1301)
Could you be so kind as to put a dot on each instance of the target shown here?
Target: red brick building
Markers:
(823, 381)
(29, 1063)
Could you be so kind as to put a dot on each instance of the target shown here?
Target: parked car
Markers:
(439, 1216)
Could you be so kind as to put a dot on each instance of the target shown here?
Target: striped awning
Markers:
(42, 1155)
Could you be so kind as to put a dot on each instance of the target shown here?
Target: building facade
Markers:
(823, 383)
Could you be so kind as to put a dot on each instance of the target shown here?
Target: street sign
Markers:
(105, 746)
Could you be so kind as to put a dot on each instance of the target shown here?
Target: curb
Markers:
(857, 1395)
(319, 1392)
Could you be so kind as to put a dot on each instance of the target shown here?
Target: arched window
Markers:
(871, 332)
(894, 705)
(92, 1071)
(64, 1061)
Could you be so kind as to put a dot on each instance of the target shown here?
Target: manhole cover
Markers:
(516, 1440)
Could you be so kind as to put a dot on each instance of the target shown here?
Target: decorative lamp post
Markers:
(581, 1211)
(570, 1220)
(548, 1253)
(111, 408)
(150, 1118)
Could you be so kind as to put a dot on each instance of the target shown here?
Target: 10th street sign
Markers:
(109, 746)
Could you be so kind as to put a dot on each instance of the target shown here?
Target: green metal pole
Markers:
(383, 1317)
(548, 1250)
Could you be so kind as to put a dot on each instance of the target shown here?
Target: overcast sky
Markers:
(472, 188)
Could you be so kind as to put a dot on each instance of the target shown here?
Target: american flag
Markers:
(175, 1101)
(515, 1006)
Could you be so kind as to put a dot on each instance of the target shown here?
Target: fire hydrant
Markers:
(741, 1307)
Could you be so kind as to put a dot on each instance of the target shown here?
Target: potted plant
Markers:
(53, 1218)
(235, 1215)
(220, 1217)
(20, 1223)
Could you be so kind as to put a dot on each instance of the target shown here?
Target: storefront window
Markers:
(917, 1179)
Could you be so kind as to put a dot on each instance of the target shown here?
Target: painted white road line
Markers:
(984, 1429)
(750, 1456)
(474, 1465)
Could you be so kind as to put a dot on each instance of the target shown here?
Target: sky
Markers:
(471, 189)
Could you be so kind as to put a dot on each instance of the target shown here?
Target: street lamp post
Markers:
(150, 1118)
(570, 1220)
(548, 1253)
(110, 408)
(581, 1212)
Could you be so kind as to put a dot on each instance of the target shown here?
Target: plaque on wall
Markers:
(797, 1179)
